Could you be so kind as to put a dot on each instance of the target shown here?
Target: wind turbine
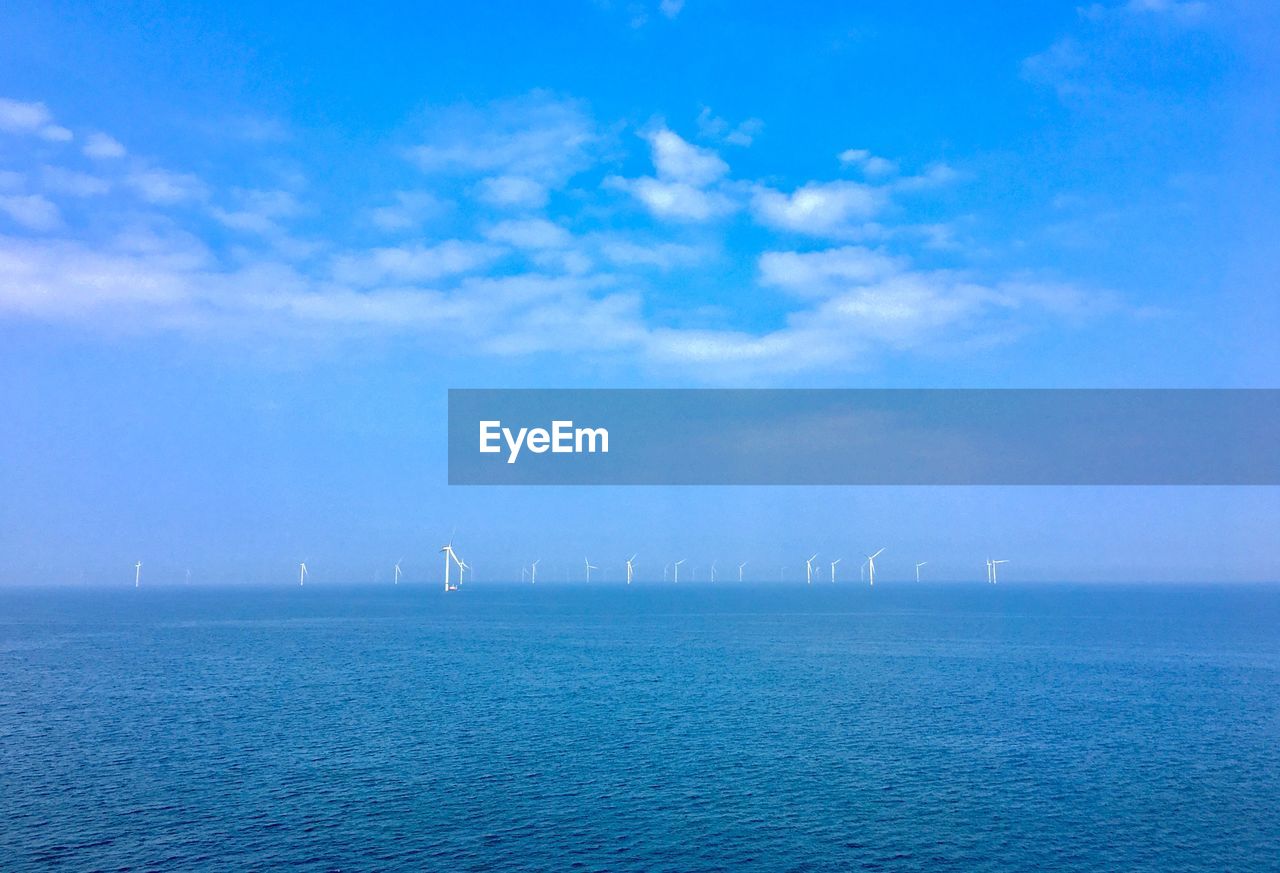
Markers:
(808, 569)
(302, 573)
(590, 567)
(833, 569)
(533, 572)
(919, 564)
(137, 575)
(995, 564)
(740, 566)
(988, 571)
(713, 571)
(397, 572)
(631, 568)
(871, 567)
(677, 566)
(862, 571)
(188, 575)
(666, 569)
(451, 555)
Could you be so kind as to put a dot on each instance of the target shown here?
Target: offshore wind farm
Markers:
(456, 571)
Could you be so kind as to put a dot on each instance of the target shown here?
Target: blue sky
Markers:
(244, 251)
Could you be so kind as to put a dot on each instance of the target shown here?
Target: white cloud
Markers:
(30, 118)
(871, 165)
(101, 146)
(824, 273)
(164, 187)
(73, 182)
(257, 211)
(671, 8)
(832, 209)
(684, 173)
(713, 127)
(674, 200)
(536, 137)
(533, 233)
(410, 211)
(32, 211)
(679, 161)
(663, 256)
(1182, 10)
(416, 263)
(934, 175)
(512, 192)
(520, 284)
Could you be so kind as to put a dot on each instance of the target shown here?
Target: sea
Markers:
(651, 728)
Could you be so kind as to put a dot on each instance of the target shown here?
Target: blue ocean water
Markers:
(905, 728)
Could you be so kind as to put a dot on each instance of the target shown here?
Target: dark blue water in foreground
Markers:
(682, 729)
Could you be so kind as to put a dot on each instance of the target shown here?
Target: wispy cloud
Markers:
(101, 146)
(532, 254)
(409, 211)
(538, 138)
(17, 116)
(685, 187)
(32, 211)
(164, 187)
(826, 209)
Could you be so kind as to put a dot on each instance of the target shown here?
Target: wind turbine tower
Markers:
(137, 575)
(450, 558)
(833, 569)
(677, 569)
(808, 570)
(919, 564)
(302, 573)
(631, 569)
(740, 566)
(871, 567)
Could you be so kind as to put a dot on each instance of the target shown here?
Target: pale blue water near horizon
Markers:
(964, 728)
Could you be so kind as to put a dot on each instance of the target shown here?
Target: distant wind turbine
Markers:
(631, 568)
(740, 566)
(713, 571)
(302, 573)
(137, 575)
(590, 567)
(995, 564)
(871, 567)
(666, 571)
(677, 568)
(918, 566)
(862, 571)
(808, 569)
(450, 558)
(397, 572)
(833, 569)
(533, 572)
